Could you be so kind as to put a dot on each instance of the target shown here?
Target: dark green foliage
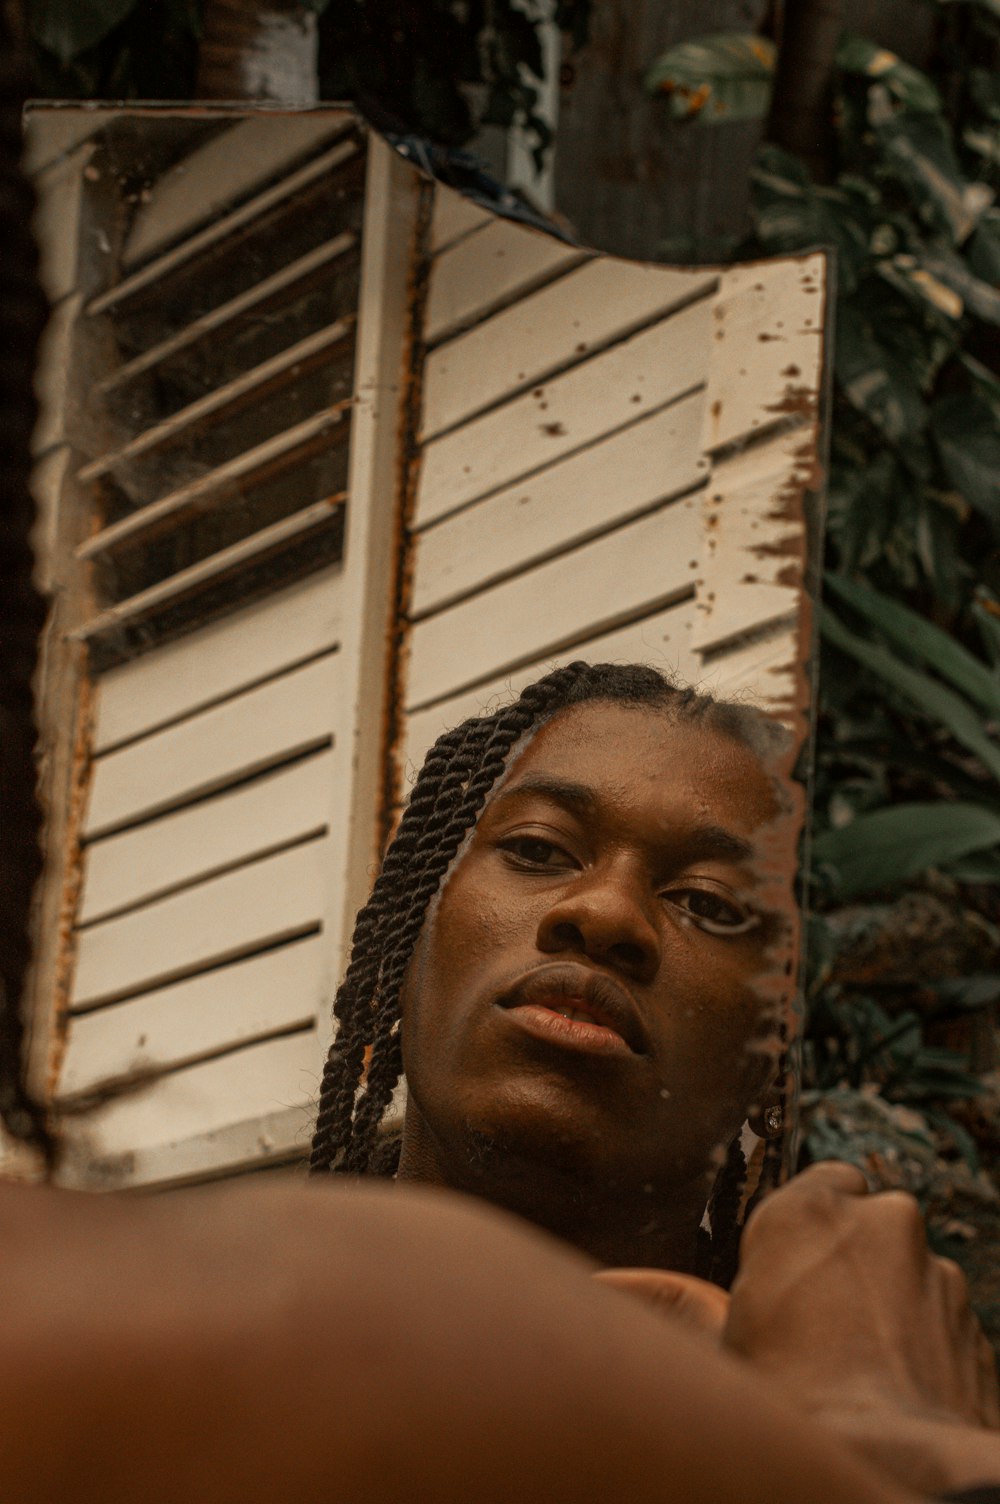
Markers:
(901, 1048)
(437, 68)
(717, 78)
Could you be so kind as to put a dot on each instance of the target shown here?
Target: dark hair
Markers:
(451, 789)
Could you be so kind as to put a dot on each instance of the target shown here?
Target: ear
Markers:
(767, 1116)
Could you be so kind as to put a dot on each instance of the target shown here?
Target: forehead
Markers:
(638, 760)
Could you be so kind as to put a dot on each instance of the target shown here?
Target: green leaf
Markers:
(791, 212)
(68, 27)
(892, 845)
(914, 634)
(917, 151)
(966, 430)
(911, 88)
(945, 278)
(968, 992)
(874, 380)
(725, 76)
(987, 617)
(927, 695)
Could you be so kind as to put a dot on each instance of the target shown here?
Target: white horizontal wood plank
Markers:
(205, 241)
(570, 501)
(278, 720)
(764, 673)
(557, 326)
(483, 271)
(225, 169)
(275, 1138)
(754, 546)
(578, 595)
(235, 559)
(248, 1084)
(454, 215)
(225, 483)
(174, 1026)
(193, 844)
(181, 426)
(220, 920)
(643, 372)
(662, 639)
(256, 300)
(767, 356)
(218, 660)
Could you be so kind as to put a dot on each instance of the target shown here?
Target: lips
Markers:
(579, 990)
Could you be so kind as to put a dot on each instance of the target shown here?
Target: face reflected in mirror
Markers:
(595, 1006)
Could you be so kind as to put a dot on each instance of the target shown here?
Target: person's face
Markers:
(615, 876)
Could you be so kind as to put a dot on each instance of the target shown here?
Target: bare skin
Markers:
(842, 1304)
(267, 1343)
(626, 850)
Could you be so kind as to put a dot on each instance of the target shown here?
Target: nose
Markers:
(602, 916)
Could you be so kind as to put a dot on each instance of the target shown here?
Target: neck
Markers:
(618, 1225)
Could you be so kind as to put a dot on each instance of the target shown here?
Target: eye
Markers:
(713, 913)
(534, 852)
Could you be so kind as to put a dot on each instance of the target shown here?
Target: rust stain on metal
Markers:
(72, 871)
(410, 454)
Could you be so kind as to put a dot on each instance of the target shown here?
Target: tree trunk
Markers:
(801, 118)
(258, 49)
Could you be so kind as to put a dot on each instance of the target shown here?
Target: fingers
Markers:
(679, 1297)
(833, 1175)
(818, 1194)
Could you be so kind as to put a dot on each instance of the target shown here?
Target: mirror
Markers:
(333, 457)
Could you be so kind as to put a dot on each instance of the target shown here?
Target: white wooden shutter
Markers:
(592, 458)
(229, 717)
(614, 464)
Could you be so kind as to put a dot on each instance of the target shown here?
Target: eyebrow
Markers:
(561, 790)
(703, 841)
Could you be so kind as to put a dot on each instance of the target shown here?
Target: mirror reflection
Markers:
(337, 462)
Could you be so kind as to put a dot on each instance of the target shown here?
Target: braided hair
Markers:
(450, 791)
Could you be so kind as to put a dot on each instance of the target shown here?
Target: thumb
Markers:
(679, 1297)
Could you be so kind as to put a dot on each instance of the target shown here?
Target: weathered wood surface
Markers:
(255, 384)
(751, 570)
(481, 273)
(527, 343)
(283, 718)
(229, 227)
(662, 639)
(644, 372)
(160, 1118)
(255, 302)
(187, 583)
(201, 1016)
(263, 904)
(214, 835)
(253, 644)
(768, 346)
(453, 216)
(225, 169)
(618, 476)
(625, 573)
(223, 485)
